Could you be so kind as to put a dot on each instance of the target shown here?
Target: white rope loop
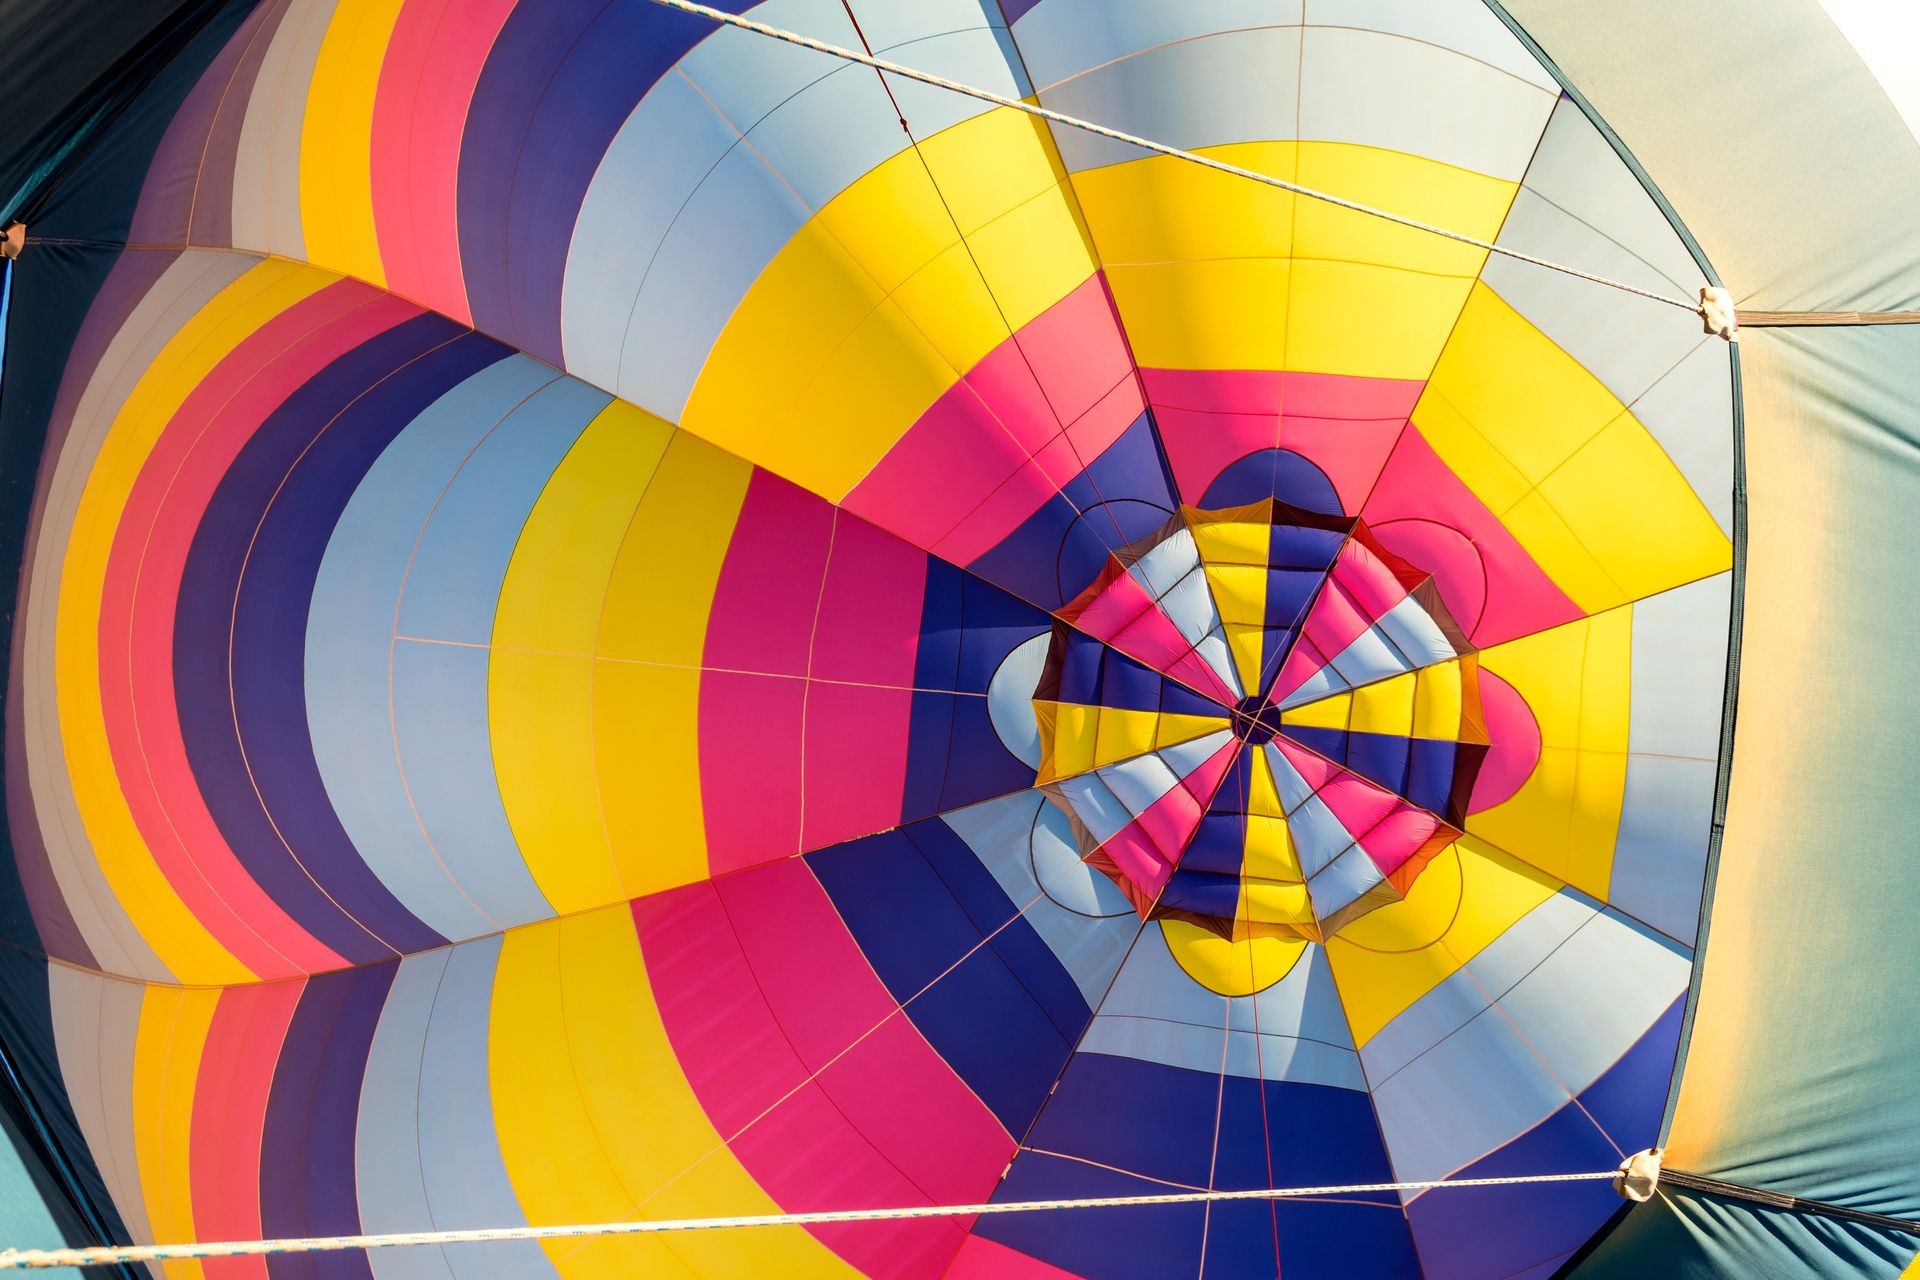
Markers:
(1161, 148)
(36, 1259)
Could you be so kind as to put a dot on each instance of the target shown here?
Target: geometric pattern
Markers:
(1260, 721)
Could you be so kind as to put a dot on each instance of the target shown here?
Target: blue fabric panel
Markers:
(1049, 559)
(1273, 473)
(335, 898)
(306, 1145)
(1380, 757)
(1429, 779)
(1331, 743)
(1148, 1243)
(562, 78)
(1499, 1229)
(1496, 1231)
(1100, 1113)
(266, 663)
(917, 928)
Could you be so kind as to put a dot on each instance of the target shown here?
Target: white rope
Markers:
(1192, 157)
(32, 1259)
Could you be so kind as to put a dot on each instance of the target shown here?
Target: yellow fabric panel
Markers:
(1123, 733)
(1546, 446)
(861, 321)
(1331, 712)
(166, 1067)
(594, 1116)
(1566, 816)
(1385, 706)
(1069, 734)
(1231, 968)
(1198, 259)
(1387, 959)
(1176, 729)
(1270, 905)
(1531, 401)
(1263, 797)
(1437, 702)
(948, 307)
(1028, 253)
(1240, 594)
(1441, 194)
(1231, 542)
(1634, 512)
(190, 953)
(1269, 852)
(1366, 321)
(1239, 591)
(660, 590)
(1247, 643)
(1205, 314)
(556, 581)
(646, 759)
(1466, 452)
(1558, 550)
(1159, 209)
(336, 135)
(539, 713)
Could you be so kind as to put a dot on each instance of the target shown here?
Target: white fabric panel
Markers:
(1386, 91)
(1238, 86)
(1062, 38)
(1183, 758)
(1679, 669)
(1467, 26)
(1010, 699)
(1687, 412)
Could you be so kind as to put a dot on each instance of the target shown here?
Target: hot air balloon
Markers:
(632, 612)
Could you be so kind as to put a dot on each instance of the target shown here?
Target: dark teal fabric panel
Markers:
(1801, 1073)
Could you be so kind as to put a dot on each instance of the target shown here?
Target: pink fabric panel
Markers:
(1302, 661)
(783, 1128)
(856, 761)
(984, 1259)
(950, 463)
(1170, 822)
(1201, 445)
(1315, 770)
(1335, 620)
(1113, 607)
(1520, 598)
(1210, 419)
(1359, 804)
(1206, 780)
(769, 589)
(1093, 432)
(1397, 837)
(1515, 736)
(1332, 395)
(750, 767)
(140, 596)
(1135, 855)
(1005, 508)
(1372, 586)
(230, 1116)
(1350, 451)
(779, 990)
(1445, 553)
(868, 629)
(442, 45)
(959, 481)
(1077, 350)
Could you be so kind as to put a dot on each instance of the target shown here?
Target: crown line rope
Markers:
(33, 1259)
